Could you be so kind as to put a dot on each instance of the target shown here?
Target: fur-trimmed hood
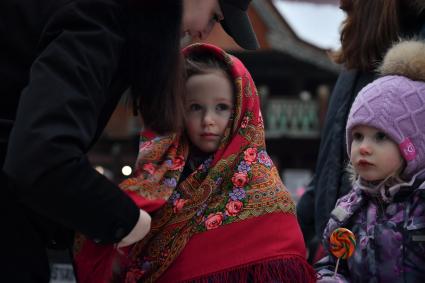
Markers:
(406, 58)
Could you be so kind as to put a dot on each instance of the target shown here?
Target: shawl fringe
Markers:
(286, 270)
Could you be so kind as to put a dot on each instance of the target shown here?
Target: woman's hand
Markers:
(140, 230)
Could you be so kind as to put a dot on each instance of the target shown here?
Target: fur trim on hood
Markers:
(405, 58)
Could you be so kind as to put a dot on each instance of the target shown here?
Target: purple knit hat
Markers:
(395, 103)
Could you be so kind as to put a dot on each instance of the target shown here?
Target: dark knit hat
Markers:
(395, 103)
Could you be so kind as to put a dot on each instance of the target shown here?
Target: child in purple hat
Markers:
(385, 208)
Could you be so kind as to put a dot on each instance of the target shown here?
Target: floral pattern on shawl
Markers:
(159, 165)
(238, 182)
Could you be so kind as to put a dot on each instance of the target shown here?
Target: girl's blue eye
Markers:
(380, 136)
(194, 107)
(222, 107)
(357, 136)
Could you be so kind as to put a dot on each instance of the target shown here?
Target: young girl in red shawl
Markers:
(220, 212)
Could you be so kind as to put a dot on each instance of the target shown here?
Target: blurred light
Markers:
(126, 170)
(305, 95)
(100, 169)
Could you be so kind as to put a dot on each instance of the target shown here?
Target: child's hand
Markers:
(140, 230)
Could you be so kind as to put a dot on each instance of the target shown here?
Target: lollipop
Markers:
(342, 244)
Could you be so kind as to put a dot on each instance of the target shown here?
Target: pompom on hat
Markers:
(395, 103)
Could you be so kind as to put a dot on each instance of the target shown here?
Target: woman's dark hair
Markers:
(157, 77)
(369, 30)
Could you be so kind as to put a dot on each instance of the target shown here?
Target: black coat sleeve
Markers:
(57, 120)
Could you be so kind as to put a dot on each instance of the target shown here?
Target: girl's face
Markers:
(200, 16)
(373, 155)
(209, 106)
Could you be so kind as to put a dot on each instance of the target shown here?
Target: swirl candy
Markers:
(342, 243)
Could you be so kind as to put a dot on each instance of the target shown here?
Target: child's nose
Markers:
(208, 118)
(365, 149)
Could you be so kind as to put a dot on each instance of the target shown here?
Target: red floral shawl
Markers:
(230, 220)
